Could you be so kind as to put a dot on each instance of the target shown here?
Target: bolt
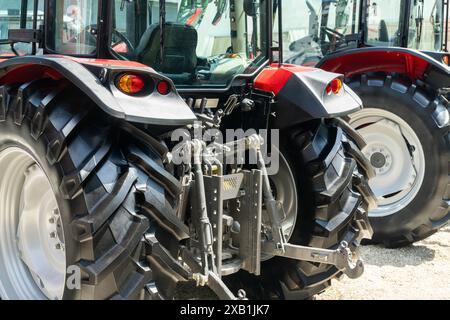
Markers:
(51, 220)
(56, 212)
(344, 244)
(53, 235)
(58, 246)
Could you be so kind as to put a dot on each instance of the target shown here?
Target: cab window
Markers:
(73, 29)
(15, 16)
(315, 28)
(426, 25)
(206, 43)
(384, 23)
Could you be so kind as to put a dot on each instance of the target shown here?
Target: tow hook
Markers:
(342, 258)
(351, 269)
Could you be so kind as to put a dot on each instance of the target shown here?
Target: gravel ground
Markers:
(421, 271)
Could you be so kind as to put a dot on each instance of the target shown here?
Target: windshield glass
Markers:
(424, 24)
(384, 23)
(206, 42)
(314, 28)
(16, 15)
(74, 26)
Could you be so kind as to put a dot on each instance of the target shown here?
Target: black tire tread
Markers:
(438, 111)
(327, 217)
(99, 183)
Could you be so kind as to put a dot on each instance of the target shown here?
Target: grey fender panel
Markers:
(304, 98)
(170, 110)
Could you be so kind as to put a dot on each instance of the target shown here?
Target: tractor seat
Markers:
(180, 57)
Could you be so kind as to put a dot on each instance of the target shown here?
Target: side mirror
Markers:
(250, 7)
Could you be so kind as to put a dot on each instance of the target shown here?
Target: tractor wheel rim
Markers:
(32, 252)
(397, 155)
(284, 187)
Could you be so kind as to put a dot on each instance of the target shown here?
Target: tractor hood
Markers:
(301, 94)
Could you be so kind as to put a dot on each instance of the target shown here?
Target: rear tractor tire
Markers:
(407, 133)
(78, 191)
(73, 193)
(330, 209)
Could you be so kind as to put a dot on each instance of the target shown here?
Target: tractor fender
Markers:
(96, 78)
(300, 94)
(412, 63)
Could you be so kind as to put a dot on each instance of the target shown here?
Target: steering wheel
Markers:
(122, 39)
(91, 37)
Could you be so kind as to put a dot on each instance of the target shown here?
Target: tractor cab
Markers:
(335, 25)
(195, 43)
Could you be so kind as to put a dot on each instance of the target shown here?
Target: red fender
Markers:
(412, 63)
(28, 72)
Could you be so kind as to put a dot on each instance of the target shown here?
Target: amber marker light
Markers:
(334, 86)
(130, 83)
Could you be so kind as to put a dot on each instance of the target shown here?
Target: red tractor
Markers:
(394, 56)
(115, 182)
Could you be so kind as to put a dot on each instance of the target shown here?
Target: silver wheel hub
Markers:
(32, 257)
(396, 154)
(380, 158)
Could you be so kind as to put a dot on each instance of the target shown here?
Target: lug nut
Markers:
(51, 220)
(53, 235)
(58, 246)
